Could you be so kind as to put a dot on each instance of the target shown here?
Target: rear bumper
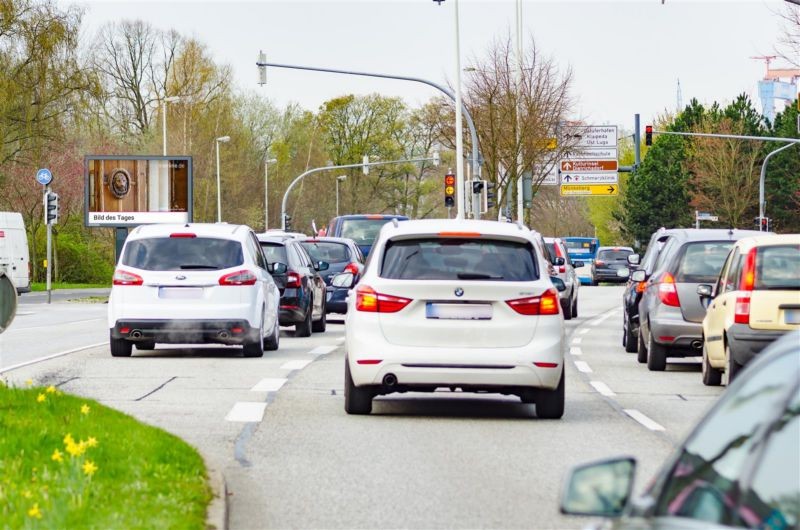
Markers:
(292, 307)
(685, 338)
(186, 331)
(608, 275)
(745, 342)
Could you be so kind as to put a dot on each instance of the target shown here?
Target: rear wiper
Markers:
(199, 267)
(477, 276)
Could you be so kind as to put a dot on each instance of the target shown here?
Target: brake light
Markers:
(562, 269)
(126, 278)
(370, 301)
(459, 234)
(741, 311)
(352, 268)
(293, 280)
(641, 286)
(369, 361)
(748, 278)
(183, 234)
(668, 291)
(243, 277)
(544, 304)
(599, 263)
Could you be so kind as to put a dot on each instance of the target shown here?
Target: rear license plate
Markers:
(458, 311)
(792, 316)
(180, 293)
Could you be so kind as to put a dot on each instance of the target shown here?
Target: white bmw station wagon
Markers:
(459, 304)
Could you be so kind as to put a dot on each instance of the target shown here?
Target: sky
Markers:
(626, 56)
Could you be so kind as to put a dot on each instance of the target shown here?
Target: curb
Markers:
(217, 512)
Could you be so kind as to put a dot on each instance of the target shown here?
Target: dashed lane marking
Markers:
(269, 384)
(295, 365)
(322, 350)
(574, 350)
(577, 340)
(602, 388)
(644, 420)
(247, 412)
(340, 339)
(584, 331)
(583, 366)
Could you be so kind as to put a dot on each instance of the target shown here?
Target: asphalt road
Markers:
(292, 458)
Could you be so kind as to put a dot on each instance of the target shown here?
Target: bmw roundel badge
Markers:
(459, 292)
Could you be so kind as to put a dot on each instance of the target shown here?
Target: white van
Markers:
(14, 256)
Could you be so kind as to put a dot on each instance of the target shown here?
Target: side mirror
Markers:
(577, 264)
(8, 301)
(623, 273)
(705, 291)
(559, 262)
(599, 489)
(321, 265)
(277, 268)
(638, 276)
(558, 283)
(633, 259)
(344, 279)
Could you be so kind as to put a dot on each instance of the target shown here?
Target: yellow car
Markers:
(755, 301)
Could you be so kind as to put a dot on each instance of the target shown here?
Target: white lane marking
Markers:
(584, 331)
(583, 366)
(246, 411)
(269, 384)
(295, 365)
(340, 339)
(322, 350)
(574, 350)
(577, 341)
(644, 420)
(48, 357)
(602, 388)
(50, 326)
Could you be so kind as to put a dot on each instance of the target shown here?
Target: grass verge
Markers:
(41, 286)
(69, 462)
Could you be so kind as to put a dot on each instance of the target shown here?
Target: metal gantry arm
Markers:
(761, 202)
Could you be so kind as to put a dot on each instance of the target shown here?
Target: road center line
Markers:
(295, 365)
(583, 366)
(322, 350)
(644, 420)
(269, 384)
(574, 350)
(246, 411)
(602, 388)
(48, 357)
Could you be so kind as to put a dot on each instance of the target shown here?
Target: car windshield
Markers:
(182, 253)
(613, 254)
(362, 231)
(275, 253)
(778, 267)
(459, 259)
(327, 251)
(702, 262)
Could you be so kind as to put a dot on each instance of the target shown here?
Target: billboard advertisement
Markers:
(133, 190)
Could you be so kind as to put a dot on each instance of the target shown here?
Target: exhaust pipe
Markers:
(223, 334)
(136, 334)
(389, 380)
(697, 344)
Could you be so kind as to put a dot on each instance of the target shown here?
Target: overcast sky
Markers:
(626, 56)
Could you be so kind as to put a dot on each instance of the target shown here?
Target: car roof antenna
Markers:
(394, 222)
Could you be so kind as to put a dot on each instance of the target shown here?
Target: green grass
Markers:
(42, 286)
(145, 477)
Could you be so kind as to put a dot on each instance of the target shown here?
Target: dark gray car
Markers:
(670, 312)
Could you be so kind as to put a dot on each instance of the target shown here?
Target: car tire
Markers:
(711, 376)
(731, 366)
(566, 310)
(147, 345)
(357, 400)
(255, 348)
(303, 329)
(629, 340)
(322, 324)
(272, 342)
(550, 403)
(120, 347)
(656, 355)
(574, 308)
(641, 349)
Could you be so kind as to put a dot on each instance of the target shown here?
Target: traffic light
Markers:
(527, 190)
(477, 186)
(51, 208)
(762, 224)
(490, 195)
(287, 223)
(449, 189)
(648, 135)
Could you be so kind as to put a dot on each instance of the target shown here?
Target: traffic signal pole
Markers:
(49, 241)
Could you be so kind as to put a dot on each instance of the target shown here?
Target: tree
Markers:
(782, 183)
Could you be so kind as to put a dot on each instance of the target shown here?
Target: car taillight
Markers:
(126, 278)
(370, 301)
(641, 286)
(741, 311)
(293, 280)
(243, 277)
(562, 269)
(352, 268)
(668, 291)
(748, 278)
(544, 304)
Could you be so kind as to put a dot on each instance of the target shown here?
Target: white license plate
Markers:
(180, 293)
(792, 316)
(458, 311)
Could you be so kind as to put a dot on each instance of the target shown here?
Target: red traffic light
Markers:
(449, 180)
(648, 135)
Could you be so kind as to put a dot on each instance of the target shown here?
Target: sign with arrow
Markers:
(587, 178)
(589, 189)
(587, 166)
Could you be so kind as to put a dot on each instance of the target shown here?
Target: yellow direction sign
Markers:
(589, 189)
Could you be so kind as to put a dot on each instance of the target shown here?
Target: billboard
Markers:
(133, 190)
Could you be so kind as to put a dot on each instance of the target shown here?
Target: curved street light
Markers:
(221, 139)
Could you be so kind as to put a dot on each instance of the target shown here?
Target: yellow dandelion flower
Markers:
(34, 511)
(41, 397)
(91, 442)
(50, 389)
(57, 456)
(85, 409)
(29, 382)
(89, 468)
(76, 449)
(27, 494)
(68, 439)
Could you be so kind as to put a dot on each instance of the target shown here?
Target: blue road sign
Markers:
(44, 176)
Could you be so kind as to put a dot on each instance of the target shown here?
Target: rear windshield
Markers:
(610, 254)
(327, 251)
(179, 253)
(551, 247)
(459, 259)
(702, 262)
(778, 267)
(362, 231)
(275, 253)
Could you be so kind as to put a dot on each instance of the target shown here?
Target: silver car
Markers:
(565, 270)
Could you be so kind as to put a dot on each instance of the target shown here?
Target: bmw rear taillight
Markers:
(562, 269)
(544, 304)
(370, 301)
(668, 291)
(293, 280)
(748, 278)
(741, 311)
(243, 277)
(122, 277)
(352, 268)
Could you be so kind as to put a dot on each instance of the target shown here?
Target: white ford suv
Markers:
(456, 304)
(193, 284)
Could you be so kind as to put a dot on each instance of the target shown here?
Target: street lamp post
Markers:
(266, 189)
(171, 99)
(221, 139)
(339, 179)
